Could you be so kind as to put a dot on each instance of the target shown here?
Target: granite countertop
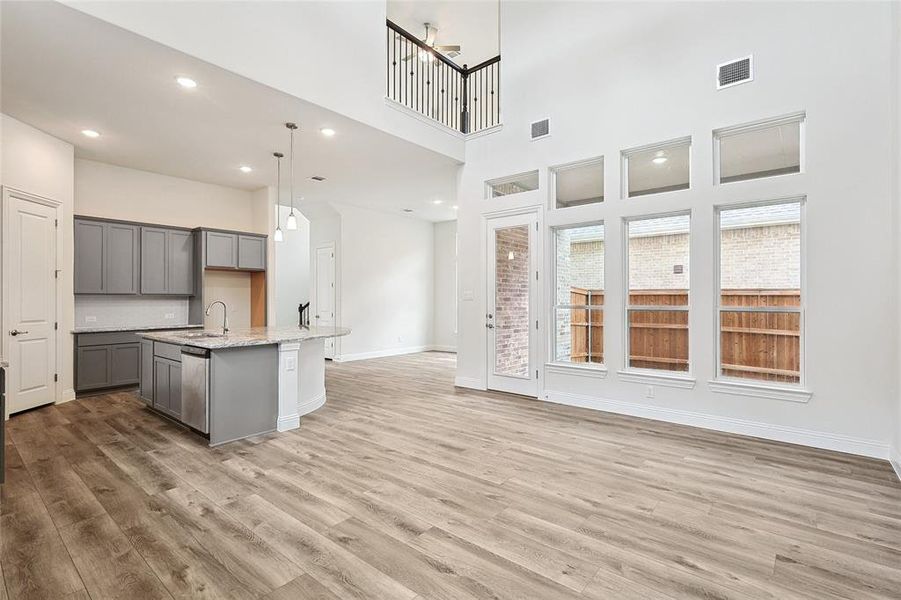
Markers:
(253, 336)
(124, 328)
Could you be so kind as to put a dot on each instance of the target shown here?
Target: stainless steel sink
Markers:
(202, 334)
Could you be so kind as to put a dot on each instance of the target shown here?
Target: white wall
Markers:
(445, 270)
(103, 190)
(896, 71)
(387, 289)
(646, 74)
(282, 44)
(34, 162)
(292, 269)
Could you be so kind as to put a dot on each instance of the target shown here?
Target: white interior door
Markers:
(511, 319)
(31, 336)
(325, 293)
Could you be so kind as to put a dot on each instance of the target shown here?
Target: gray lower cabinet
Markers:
(146, 391)
(221, 250)
(167, 261)
(107, 257)
(105, 360)
(92, 369)
(251, 252)
(167, 386)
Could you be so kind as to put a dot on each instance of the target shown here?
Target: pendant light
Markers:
(278, 236)
(291, 221)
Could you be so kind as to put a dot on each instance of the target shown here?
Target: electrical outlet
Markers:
(170, 315)
(649, 393)
(90, 319)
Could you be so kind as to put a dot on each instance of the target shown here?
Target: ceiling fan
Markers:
(431, 33)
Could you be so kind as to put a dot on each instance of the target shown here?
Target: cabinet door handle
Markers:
(16, 332)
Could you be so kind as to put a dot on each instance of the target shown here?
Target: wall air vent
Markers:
(735, 72)
(541, 129)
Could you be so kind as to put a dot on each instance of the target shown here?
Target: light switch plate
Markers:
(170, 315)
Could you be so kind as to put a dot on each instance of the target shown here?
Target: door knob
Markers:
(16, 332)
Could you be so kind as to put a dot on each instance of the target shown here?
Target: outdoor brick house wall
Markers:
(756, 257)
(511, 317)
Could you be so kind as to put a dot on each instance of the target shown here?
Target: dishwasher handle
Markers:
(194, 351)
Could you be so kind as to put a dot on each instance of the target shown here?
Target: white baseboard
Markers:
(381, 353)
(436, 348)
(66, 396)
(287, 423)
(895, 459)
(469, 382)
(780, 433)
(311, 405)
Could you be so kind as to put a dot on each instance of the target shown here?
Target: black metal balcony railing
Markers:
(422, 79)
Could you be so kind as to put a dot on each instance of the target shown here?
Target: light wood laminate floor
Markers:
(403, 487)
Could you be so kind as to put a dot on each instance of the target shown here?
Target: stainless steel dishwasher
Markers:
(195, 388)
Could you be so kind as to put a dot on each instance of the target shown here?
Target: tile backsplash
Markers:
(137, 311)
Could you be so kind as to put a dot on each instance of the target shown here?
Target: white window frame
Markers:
(599, 368)
(626, 154)
(552, 180)
(678, 379)
(510, 179)
(724, 132)
(796, 392)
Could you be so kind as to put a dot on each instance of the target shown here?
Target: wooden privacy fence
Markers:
(756, 345)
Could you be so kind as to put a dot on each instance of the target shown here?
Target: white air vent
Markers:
(541, 129)
(735, 72)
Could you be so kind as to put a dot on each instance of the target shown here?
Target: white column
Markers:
(288, 371)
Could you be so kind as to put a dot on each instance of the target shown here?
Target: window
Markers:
(578, 183)
(658, 168)
(760, 309)
(579, 294)
(759, 150)
(657, 255)
(515, 184)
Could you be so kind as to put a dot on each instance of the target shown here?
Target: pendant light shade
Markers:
(291, 221)
(278, 236)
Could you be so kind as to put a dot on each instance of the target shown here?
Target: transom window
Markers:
(664, 167)
(578, 183)
(759, 297)
(579, 294)
(657, 302)
(756, 150)
(514, 184)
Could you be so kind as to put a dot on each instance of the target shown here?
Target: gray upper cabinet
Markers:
(167, 261)
(251, 252)
(180, 262)
(89, 252)
(122, 258)
(221, 250)
(106, 257)
(153, 260)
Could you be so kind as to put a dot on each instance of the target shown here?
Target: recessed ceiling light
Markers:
(455, 207)
(437, 201)
(659, 158)
(90, 133)
(327, 131)
(186, 82)
(245, 169)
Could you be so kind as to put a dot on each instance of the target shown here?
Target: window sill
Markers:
(677, 381)
(755, 390)
(593, 371)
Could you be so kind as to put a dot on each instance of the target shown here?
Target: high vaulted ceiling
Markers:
(64, 71)
(472, 24)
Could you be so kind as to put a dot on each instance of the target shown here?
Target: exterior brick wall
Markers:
(511, 317)
(761, 257)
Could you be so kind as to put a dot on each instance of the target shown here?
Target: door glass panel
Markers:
(511, 301)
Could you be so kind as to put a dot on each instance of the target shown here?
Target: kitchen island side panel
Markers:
(243, 392)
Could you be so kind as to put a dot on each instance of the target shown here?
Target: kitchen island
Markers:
(239, 384)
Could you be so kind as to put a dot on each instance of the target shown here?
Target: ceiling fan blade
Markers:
(448, 48)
